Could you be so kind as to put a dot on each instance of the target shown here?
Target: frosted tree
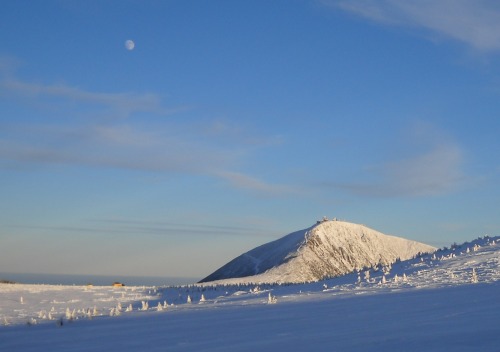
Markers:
(159, 307)
(396, 278)
(474, 279)
(271, 299)
(145, 305)
(367, 276)
(68, 314)
(405, 279)
(202, 299)
(383, 279)
(165, 305)
(129, 308)
(189, 299)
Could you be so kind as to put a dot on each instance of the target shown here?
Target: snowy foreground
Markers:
(447, 301)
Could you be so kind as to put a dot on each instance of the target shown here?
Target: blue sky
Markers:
(233, 123)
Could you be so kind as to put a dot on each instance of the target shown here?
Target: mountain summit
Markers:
(328, 249)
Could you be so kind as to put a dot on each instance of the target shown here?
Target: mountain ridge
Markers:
(329, 248)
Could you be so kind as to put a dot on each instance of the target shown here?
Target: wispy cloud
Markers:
(435, 167)
(122, 104)
(113, 146)
(475, 23)
(147, 228)
(210, 148)
(243, 181)
(435, 172)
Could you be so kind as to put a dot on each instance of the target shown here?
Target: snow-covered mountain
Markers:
(327, 249)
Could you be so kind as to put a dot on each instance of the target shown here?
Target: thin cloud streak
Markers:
(436, 172)
(143, 228)
(123, 103)
(475, 23)
(243, 181)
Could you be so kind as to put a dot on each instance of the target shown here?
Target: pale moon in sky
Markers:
(129, 44)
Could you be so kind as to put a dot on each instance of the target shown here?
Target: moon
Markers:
(129, 44)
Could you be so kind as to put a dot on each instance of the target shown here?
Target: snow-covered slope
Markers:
(444, 301)
(328, 249)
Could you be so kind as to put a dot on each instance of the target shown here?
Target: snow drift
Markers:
(327, 249)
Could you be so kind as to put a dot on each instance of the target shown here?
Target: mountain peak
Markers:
(327, 249)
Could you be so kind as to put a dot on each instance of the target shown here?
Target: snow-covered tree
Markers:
(189, 299)
(68, 313)
(474, 279)
(202, 299)
(271, 299)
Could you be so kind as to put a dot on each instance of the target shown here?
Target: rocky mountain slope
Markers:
(327, 249)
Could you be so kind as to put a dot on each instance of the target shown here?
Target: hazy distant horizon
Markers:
(96, 280)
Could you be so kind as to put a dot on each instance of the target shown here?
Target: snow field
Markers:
(446, 301)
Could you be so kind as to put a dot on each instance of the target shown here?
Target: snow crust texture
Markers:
(328, 249)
